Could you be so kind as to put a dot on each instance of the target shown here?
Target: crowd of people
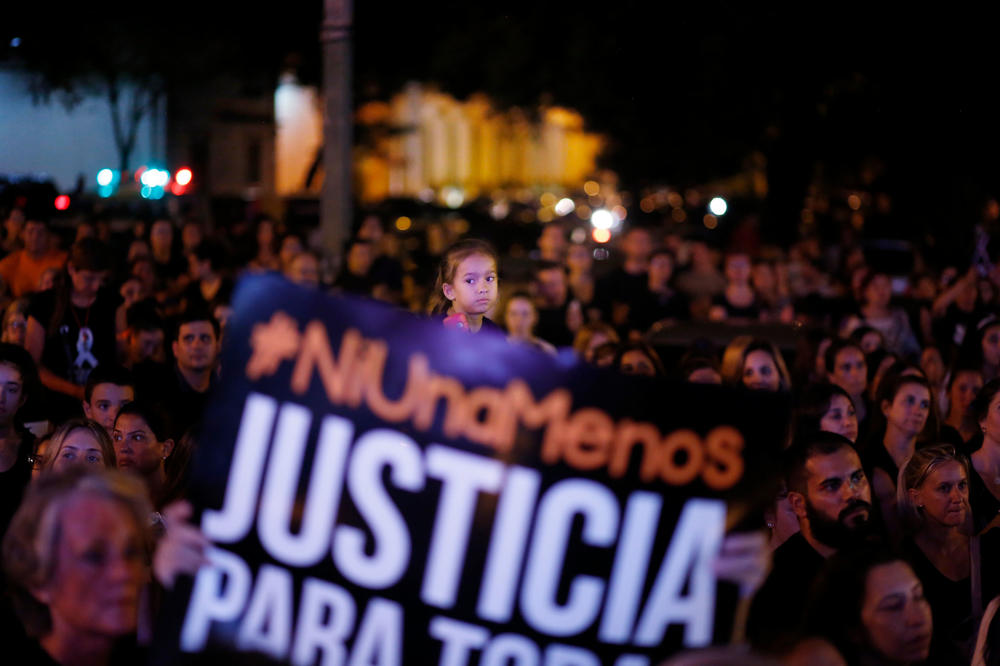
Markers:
(882, 532)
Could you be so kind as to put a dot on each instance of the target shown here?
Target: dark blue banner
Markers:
(383, 490)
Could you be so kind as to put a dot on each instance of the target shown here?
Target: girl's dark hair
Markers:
(735, 355)
(694, 360)
(154, 415)
(866, 281)
(643, 347)
(858, 334)
(814, 401)
(980, 405)
(19, 357)
(874, 360)
(887, 391)
(452, 257)
(971, 351)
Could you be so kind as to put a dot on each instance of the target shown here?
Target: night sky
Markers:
(685, 91)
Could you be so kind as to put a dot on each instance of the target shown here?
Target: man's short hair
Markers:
(142, 316)
(193, 314)
(547, 265)
(89, 254)
(837, 346)
(212, 252)
(801, 452)
(107, 373)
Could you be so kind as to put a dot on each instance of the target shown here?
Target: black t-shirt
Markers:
(646, 308)
(15, 481)
(81, 339)
(951, 601)
(779, 605)
(985, 506)
(618, 286)
(552, 327)
(166, 386)
(751, 312)
(194, 300)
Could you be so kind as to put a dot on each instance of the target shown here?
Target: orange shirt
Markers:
(22, 273)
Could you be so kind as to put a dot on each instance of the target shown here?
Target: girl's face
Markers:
(909, 409)
(840, 418)
(991, 345)
(895, 614)
(473, 289)
(963, 390)
(79, 447)
(520, 317)
(760, 371)
(944, 494)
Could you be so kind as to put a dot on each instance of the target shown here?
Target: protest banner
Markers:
(383, 490)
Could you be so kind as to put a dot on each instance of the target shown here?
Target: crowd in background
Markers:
(881, 533)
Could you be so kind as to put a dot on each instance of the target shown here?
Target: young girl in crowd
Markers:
(466, 287)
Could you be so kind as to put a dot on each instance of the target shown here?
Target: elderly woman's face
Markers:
(99, 569)
(895, 614)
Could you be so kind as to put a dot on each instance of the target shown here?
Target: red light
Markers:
(62, 202)
(138, 173)
(601, 235)
(177, 189)
(183, 176)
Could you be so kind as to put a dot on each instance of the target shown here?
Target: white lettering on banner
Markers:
(532, 529)
(507, 648)
(376, 450)
(267, 623)
(321, 599)
(281, 484)
(263, 621)
(694, 545)
(380, 636)
(220, 592)
(567, 655)
(235, 519)
(463, 477)
(507, 544)
(458, 640)
(635, 545)
(547, 556)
